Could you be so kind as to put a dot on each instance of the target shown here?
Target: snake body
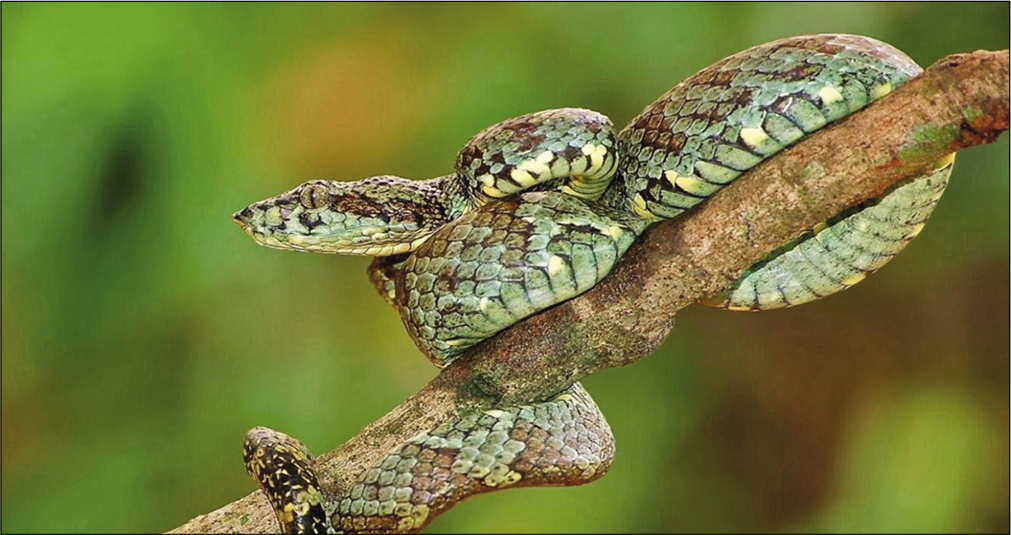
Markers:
(539, 209)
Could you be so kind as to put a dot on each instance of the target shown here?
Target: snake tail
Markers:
(561, 442)
(282, 466)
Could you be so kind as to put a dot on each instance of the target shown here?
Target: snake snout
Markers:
(243, 218)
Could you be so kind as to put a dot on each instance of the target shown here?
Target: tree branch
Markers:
(960, 101)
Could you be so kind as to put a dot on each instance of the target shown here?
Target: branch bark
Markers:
(960, 101)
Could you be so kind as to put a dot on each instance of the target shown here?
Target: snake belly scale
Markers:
(539, 209)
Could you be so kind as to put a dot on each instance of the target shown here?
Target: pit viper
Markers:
(539, 209)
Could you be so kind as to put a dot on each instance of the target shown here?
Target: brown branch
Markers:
(959, 102)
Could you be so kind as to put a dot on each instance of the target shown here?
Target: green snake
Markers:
(538, 210)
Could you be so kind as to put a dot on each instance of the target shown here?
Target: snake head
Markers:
(378, 216)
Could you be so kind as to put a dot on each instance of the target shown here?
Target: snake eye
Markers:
(314, 196)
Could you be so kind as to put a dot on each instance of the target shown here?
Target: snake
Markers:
(539, 209)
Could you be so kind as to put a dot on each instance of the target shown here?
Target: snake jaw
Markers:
(378, 216)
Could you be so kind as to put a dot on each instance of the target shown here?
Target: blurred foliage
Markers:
(143, 333)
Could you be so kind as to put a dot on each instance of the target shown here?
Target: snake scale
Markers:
(538, 210)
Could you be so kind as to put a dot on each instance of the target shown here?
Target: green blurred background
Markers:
(143, 333)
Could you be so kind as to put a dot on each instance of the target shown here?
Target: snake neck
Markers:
(456, 196)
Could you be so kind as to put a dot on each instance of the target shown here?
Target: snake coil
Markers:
(539, 209)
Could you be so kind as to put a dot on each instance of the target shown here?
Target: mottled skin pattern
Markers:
(282, 466)
(564, 441)
(519, 153)
(840, 253)
(498, 265)
(571, 150)
(539, 210)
